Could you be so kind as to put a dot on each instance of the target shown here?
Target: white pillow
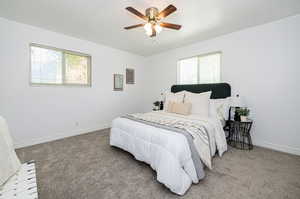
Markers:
(199, 101)
(220, 108)
(173, 97)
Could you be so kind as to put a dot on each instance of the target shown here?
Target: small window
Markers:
(52, 66)
(200, 69)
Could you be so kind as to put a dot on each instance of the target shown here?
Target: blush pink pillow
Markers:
(182, 108)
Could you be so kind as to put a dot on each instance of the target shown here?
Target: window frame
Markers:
(198, 66)
(63, 51)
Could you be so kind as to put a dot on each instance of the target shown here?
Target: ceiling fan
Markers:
(153, 17)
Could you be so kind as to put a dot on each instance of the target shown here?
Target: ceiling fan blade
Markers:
(170, 25)
(153, 31)
(167, 11)
(134, 26)
(137, 13)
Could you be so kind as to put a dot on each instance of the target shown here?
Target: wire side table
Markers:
(239, 134)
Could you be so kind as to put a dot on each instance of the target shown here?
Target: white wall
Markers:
(262, 64)
(38, 114)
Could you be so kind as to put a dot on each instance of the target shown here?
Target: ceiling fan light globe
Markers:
(149, 33)
(158, 28)
(148, 27)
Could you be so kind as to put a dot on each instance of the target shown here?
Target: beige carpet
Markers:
(86, 167)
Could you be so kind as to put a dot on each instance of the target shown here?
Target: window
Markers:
(52, 66)
(199, 69)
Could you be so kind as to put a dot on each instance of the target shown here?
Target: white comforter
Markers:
(165, 151)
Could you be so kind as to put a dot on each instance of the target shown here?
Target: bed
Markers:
(171, 151)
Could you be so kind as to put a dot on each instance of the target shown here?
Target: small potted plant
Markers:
(156, 105)
(243, 113)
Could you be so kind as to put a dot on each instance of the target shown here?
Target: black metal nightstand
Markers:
(239, 134)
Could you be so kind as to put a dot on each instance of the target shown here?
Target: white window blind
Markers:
(200, 69)
(52, 66)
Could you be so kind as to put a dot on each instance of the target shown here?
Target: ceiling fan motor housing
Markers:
(152, 13)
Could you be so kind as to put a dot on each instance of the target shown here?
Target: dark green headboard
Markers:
(220, 90)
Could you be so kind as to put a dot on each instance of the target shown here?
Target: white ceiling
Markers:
(102, 21)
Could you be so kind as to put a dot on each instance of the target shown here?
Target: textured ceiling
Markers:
(102, 21)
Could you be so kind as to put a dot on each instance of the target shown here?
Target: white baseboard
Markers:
(277, 147)
(57, 136)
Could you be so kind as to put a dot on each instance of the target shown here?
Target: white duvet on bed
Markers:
(167, 152)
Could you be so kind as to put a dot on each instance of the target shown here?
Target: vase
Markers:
(161, 105)
(243, 118)
(237, 116)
